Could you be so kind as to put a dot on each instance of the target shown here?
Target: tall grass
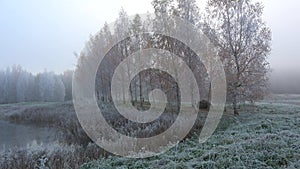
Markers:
(55, 155)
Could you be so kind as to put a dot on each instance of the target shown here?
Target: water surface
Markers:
(16, 135)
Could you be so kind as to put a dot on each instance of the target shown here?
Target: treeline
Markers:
(18, 85)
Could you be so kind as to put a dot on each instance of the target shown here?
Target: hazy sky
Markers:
(44, 34)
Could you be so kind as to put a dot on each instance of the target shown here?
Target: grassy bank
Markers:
(264, 136)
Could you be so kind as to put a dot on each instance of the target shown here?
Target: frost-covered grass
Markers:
(263, 136)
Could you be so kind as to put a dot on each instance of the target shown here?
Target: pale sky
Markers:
(42, 35)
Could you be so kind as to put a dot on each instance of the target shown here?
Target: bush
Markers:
(203, 104)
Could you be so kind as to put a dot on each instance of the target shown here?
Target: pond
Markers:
(18, 135)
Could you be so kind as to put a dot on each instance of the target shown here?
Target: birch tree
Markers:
(243, 39)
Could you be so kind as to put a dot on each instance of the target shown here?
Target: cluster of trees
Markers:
(18, 85)
(235, 27)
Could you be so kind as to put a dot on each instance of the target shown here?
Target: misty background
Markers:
(43, 35)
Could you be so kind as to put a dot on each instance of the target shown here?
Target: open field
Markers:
(265, 135)
(293, 99)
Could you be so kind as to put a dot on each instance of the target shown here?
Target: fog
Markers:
(285, 81)
(283, 18)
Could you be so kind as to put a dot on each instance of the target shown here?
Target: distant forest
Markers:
(18, 85)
